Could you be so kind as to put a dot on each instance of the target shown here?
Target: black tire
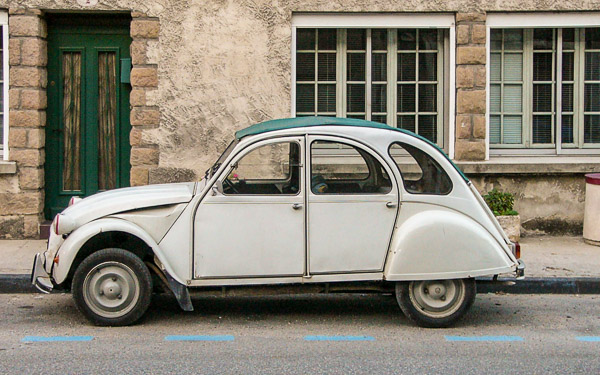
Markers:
(112, 287)
(424, 309)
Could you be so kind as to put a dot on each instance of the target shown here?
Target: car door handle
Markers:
(391, 205)
(296, 206)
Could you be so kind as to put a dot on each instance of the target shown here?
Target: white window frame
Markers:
(5, 83)
(391, 21)
(531, 21)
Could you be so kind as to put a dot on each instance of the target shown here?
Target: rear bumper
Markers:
(39, 277)
(520, 271)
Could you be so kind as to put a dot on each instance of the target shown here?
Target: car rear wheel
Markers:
(112, 287)
(436, 303)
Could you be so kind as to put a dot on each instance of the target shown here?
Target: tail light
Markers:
(516, 250)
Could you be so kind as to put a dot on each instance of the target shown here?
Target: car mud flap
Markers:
(181, 293)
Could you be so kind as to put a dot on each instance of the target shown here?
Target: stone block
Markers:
(470, 55)
(31, 227)
(34, 99)
(137, 98)
(170, 175)
(464, 77)
(138, 52)
(470, 17)
(138, 14)
(479, 75)
(464, 127)
(144, 156)
(139, 176)
(36, 138)
(17, 137)
(479, 126)
(14, 51)
(27, 77)
(462, 34)
(27, 118)
(31, 178)
(27, 25)
(14, 98)
(21, 203)
(145, 28)
(478, 34)
(144, 77)
(11, 227)
(34, 52)
(472, 102)
(144, 116)
(27, 158)
(469, 150)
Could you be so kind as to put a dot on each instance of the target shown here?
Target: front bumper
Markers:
(39, 277)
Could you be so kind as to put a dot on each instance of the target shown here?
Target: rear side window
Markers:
(420, 172)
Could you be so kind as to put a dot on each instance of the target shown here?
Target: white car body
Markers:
(203, 237)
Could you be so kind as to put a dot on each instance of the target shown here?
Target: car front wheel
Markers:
(436, 303)
(112, 287)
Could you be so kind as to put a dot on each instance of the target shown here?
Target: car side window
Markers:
(272, 169)
(338, 168)
(420, 172)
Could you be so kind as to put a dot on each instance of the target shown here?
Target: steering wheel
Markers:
(230, 185)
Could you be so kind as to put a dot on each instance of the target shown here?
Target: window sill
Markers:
(532, 165)
(8, 167)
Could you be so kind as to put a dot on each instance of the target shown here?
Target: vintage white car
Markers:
(320, 203)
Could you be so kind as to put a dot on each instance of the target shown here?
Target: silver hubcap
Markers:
(439, 298)
(111, 289)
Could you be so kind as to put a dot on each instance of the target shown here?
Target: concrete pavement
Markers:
(554, 265)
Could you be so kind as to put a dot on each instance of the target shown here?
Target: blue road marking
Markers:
(199, 338)
(56, 338)
(588, 338)
(484, 338)
(338, 338)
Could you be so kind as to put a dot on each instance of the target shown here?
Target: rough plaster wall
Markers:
(225, 64)
(548, 203)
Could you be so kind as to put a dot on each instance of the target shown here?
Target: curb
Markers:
(21, 283)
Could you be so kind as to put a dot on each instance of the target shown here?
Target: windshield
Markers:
(211, 171)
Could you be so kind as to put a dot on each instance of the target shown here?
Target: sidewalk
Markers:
(553, 265)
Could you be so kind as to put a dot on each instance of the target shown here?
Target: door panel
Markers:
(352, 207)
(255, 226)
(87, 137)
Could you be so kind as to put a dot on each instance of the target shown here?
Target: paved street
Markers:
(303, 334)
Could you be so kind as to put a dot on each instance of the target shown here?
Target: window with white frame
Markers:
(3, 85)
(389, 75)
(544, 88)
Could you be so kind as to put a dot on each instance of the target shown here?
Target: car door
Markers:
(252, 223)
(352, 207)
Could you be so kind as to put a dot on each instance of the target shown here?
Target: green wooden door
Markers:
(87, 137)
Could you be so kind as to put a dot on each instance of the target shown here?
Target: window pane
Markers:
(542, 66)
(356, 39)
(356, 98)
(513, 39)
(513, 66)
(427, 98)
(406, 98)
(567, 97)
(568, 67)
(379, 98)
(326, 99)
(305, 39)
(305, 67)
(379, 40)
(407, 67)
(427, 66)
(305, 98)
(512, 129)
(407, 40)
(542, 98)
(513, 98)
(428, 39)
(592, 38)
(592, 97)
(495, 98)
(360, 117)
(379, 118)
(356, 67)
(327, 39)
(494, 129)
(543, 38)
(71, 120)
(327, 66)
(428, 127)
(542, 129)
(591, 131)
(406, 122)
(567, 129)
(568, 37)
(592, 66)
(107, 120)
(495, 67)
(379, 67)
(496, 39)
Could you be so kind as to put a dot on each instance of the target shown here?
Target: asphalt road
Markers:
(342, 334)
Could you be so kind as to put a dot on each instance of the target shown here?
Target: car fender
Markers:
(440, 243)
(70, 248)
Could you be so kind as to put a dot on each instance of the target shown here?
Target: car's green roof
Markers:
(298, 122)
